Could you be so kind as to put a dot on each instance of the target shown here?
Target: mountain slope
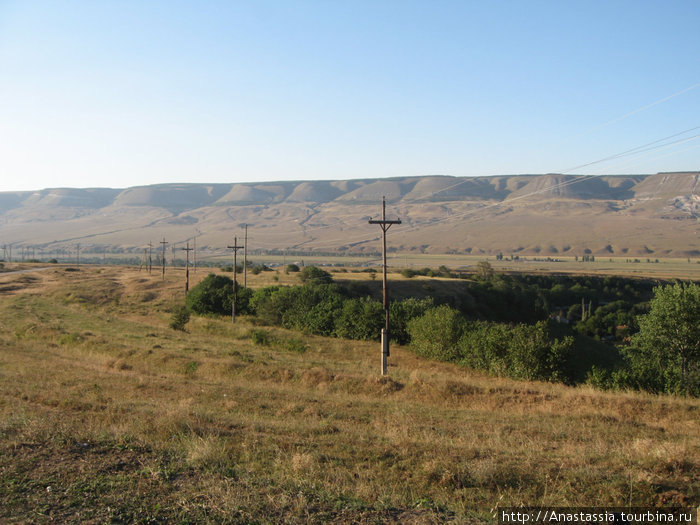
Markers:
(525, 214)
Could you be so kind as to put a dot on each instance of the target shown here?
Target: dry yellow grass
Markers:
(106, 414)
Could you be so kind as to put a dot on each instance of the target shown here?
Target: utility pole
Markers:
(385, 225)
(245, 259)
(78, 250)
(163, 261)
(187, 268)
(235, 249)
(195, 254)
(150, 257)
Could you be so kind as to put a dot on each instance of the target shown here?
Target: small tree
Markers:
(666, 351)
(484, 270)
(180, 317)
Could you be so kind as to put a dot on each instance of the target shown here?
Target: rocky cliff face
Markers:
(527, 214)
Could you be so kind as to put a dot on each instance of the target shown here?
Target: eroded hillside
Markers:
(521, 214)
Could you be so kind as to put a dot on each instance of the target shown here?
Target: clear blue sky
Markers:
(121, 93)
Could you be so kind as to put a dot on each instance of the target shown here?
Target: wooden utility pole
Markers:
(78, 249)
(163, 261)
(235, 249)
(150, 257)
(195, 254)
(385, 225)
(187, 268)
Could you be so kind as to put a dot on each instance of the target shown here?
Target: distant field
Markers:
(109, 415)
(665, 268)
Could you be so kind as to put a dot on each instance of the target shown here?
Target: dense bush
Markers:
(329, 309)
(402, 312)
(520, 351)
(361, 319)
(214, 295)
(211, 296)
(615, 320)
(437, 332)
(315, 275)
(506, 299)
(309, 308)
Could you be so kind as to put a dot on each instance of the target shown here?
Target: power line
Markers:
(163, 243)
(384, 225)
(187, 268)
(235, 249)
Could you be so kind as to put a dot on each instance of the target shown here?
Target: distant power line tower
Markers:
(385, 225)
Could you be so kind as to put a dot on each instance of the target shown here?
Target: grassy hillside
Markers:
(107, 414)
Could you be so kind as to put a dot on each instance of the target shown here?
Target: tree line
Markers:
(609, 331)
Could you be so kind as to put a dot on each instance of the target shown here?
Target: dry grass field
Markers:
(109, 415)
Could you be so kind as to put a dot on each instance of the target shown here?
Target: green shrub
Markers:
(402, 312)
(214, 295)
(180, 318)
(265, 308)
(360, 319)
(260, 337)
(211, 296)
(315, 275)
(437, 332)
(309, 308)
(519, 351)
(294, 344)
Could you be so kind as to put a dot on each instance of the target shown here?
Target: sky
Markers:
(125, 92)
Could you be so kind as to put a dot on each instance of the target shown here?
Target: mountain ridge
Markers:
(526, 214)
